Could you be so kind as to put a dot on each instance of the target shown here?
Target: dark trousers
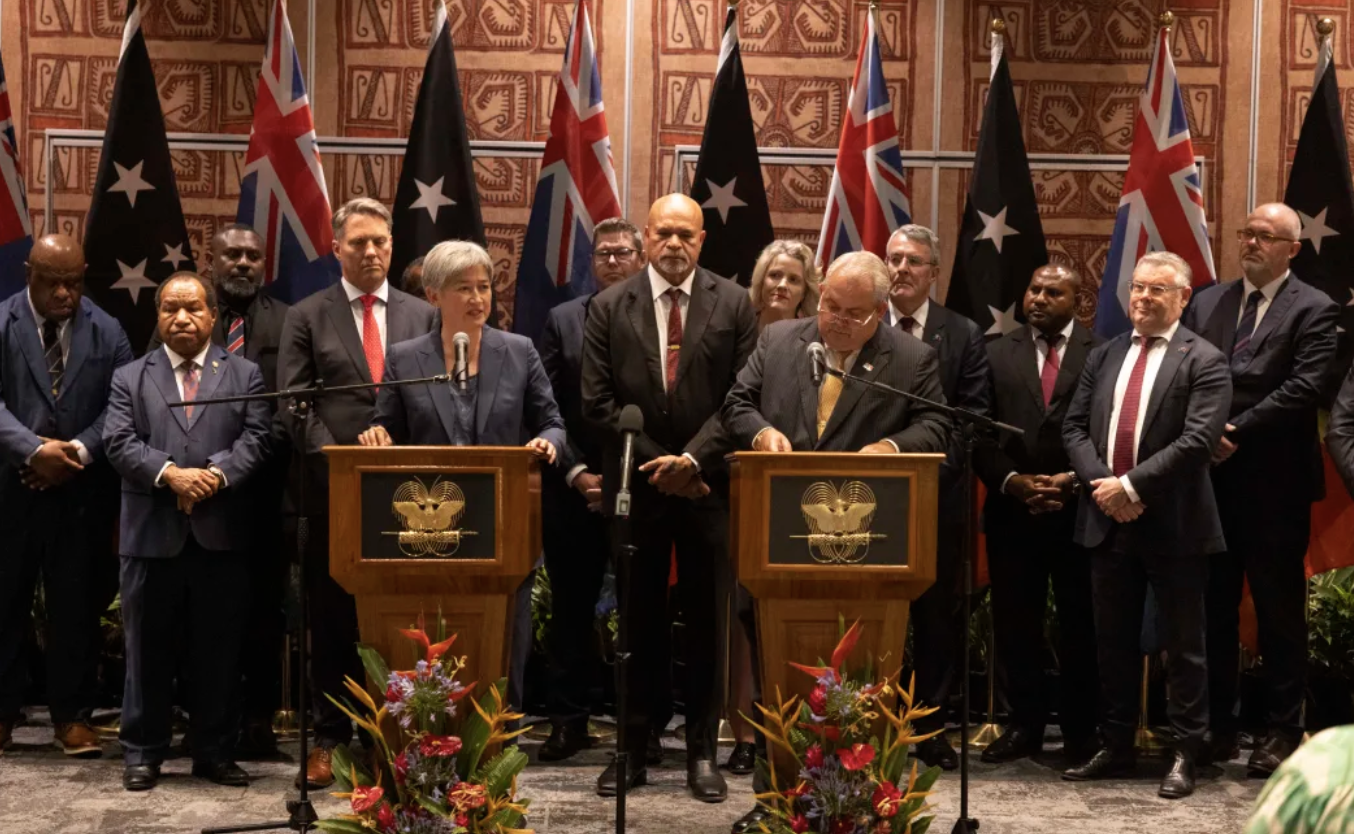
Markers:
(1021, 561)
(1119, 581)
(266, 565)
(1267, 548)
(576, 548)
(699, 529)
(936, 624)
(67, 544)
(333, 639)
(204, 591)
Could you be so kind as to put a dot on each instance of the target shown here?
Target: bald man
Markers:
(58, 496)
(671, 341)
(1280, 337)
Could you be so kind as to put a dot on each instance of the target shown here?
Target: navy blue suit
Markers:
(65, 531)
(179, 567)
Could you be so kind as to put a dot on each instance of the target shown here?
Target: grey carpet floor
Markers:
(43, 792)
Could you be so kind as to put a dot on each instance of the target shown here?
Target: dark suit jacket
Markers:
(561, 350)
(1018, 399)
(513, 406)
(621, 366)
(1277, 384)
(775, 389)
(262, 333)
(28, 410)
(142, 433)
(1184, 417)
(1340, 432)
(320, 342)
(959, 344)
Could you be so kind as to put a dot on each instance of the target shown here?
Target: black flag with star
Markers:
(728, 180)
(437, 198)
(135, 236)
(1321, 192)
(1001, 241)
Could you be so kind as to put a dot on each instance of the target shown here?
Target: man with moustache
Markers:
(340, 335)
(1029, 517)
(670, 340)
(1280, 336)
(1140, 431)
(58, 496)
(913, 257)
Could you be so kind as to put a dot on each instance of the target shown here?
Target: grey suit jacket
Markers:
(561, 348)
(1185, 413)
(775, 389)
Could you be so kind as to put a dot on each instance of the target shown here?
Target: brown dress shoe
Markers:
(77, 739)
(319, 768)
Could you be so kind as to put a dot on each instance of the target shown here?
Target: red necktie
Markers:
(1049, 376)
(190, 377)
(906, 323)
(371, 339)
(1124, 456)
(235, 335)
(674, 337)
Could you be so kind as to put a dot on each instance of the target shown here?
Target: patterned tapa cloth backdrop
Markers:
(1078, 66)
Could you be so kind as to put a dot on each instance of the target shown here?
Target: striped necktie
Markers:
(1245, 328)
(51, 348)
(190, 378)
(235, 335)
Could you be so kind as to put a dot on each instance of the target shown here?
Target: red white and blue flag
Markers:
(576, 190)
(1162, 207)
(16, 227)
(283, 193)
(868, 199)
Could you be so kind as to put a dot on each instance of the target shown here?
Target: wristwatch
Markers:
(220, 476)
(1076, 483)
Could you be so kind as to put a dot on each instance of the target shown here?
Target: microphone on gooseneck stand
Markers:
(460, 371)
(631, 424)
(818, 356)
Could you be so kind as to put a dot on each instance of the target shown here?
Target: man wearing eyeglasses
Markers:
(913, 256)
(1140, 432)
(1280, 336)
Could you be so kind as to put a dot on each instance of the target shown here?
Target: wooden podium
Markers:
(429, 529)
(817, 535)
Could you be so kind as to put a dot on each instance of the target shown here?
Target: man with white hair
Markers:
(1280, 336)
(1140, 433)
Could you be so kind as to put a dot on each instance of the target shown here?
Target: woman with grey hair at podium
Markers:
(498, 394)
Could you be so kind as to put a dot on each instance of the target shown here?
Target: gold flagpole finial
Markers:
(1325, 27)
(1166, 20)
(874, 5)
(998, 26)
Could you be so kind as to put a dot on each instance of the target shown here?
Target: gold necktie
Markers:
(828, 394)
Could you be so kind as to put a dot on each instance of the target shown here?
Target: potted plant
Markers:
(1330, 649)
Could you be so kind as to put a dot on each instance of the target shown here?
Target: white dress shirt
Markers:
(176, 362)
(378, 309)
(1267, 294)
(662, 306)
(1154, 360)
(918, 318)
(63, 334)
(1040, 358)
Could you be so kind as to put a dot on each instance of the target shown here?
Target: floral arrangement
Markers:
(435, 783)
(845, 778)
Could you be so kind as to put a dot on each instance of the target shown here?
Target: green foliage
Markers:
(497, 774)
(1330, 622)
(375, 665)
(342, 827)
(344, 764)
(475, 732)
(542, 602)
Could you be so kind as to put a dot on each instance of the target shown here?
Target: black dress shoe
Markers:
(606, 783)
(653, 750)
(222, 773)
(565, 740)
(1015, 743)
(1220, 748)
(937, 752)
(743, 759)
(1105, 764)
(1179, 781)
(140, 777)
(1078, 749)
(750, 821)
(1266, 757)
(705, 781)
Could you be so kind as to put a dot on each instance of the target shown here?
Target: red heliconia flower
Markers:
(799, 823)
(462, 820)
(818, 700)
(466, 796)
(401, 767)
(439, 745)
(813, 757)
(431, 651)
(393, 694)
(856, 756)
(365, 798)
(832, 733)
(886, 799)
(843, 825)
(799, 790)
(385, 818)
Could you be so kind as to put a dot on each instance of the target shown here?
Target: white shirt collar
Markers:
(1268, 291)
(659, 285)
(1168, 335)
(919, 315)
(382, 292)
(177, 360)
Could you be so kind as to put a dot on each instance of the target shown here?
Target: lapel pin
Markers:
(867, 366)
(1183, 348)
(215, 365)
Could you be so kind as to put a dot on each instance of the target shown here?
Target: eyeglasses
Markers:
(601, 256)
(843, 317)
(912, 261)
(1263, 238)
(1151, 290)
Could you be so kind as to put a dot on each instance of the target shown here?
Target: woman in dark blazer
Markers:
(507, 399)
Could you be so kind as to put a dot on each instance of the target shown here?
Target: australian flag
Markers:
(437, 198)
(135, 236)
(728, 182)
(868, 199)
(1001, 241)
(1162, 206)
(282, 191)
(16, 227)
(576, 190)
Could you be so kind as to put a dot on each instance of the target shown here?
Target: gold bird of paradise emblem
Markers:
(839, 519)
(429, 516)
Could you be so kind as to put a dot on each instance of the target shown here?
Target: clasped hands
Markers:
(1041, 493)
(192, 486)
(1113, 500)
(54, 463)
(772, 440)
(1226, 448)
(378, 436)
(676, 475)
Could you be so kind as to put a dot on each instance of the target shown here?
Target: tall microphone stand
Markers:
(970, 423)
(301, 814)
(625, 558)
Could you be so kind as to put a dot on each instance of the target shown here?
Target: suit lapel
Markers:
(1220, 329)
(492, 347)
(1108, 379)
(210, 378)
(1069, 370)
(82, 338)
(698, 311)
(1278, 310)
(341, 315)
(1026, 357)
(399, 324)
(163, 375)
(640, 309)
(431, 362)
(808, 394)
(873, 358)
(32, 347)
(1176, 352)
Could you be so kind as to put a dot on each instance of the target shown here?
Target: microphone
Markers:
(460, 371)
(631, 424)
(818, 356)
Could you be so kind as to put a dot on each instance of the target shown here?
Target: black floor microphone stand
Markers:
(969, 424)
(625, 557)
(301, 814)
